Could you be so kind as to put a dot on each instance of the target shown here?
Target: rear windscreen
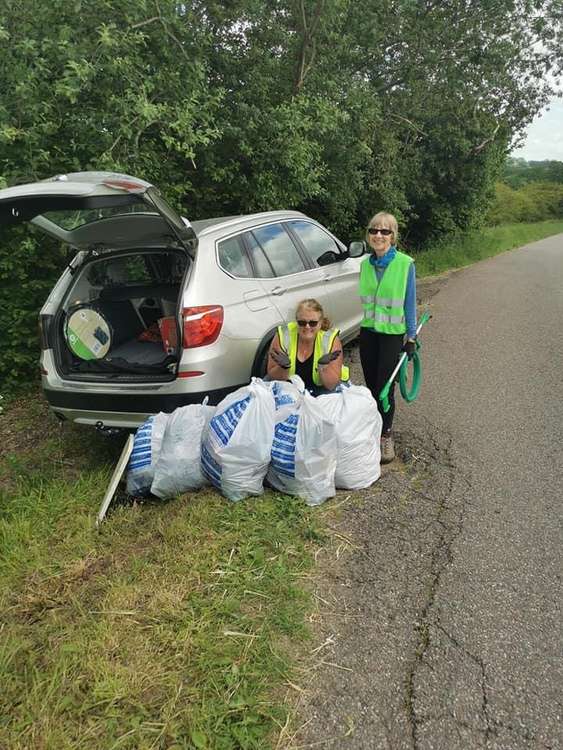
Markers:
(70, 220)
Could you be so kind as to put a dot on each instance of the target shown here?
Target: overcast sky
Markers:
(544, 139)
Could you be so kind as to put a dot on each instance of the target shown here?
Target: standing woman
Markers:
(310, 348)
(388, 294)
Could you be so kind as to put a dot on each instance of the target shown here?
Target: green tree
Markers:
(518, 172)
(87, 86)
(533, 201)
(335, 107)
(457, 82)
(105, 84)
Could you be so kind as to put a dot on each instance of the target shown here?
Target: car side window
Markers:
(279, 249)
(262, 266)
(232, 257)
(314, 239)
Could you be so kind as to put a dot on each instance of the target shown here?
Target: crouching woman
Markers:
(309, 347)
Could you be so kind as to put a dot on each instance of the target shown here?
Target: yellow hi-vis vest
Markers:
(288, 335)
(383, 302)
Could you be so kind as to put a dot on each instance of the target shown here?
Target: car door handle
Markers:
(277, 290)
(327, 276)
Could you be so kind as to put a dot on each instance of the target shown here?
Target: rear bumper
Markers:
(123, 409)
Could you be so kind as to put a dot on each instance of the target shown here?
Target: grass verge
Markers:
(173, 626)
(464, 250)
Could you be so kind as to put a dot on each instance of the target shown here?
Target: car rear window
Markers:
(232, 258)
(71, 220)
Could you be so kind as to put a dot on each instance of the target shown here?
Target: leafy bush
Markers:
(29, 266)
(534, 201)
(518, 172)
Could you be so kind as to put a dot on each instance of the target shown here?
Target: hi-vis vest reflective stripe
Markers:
(383, 302)
(324, 340)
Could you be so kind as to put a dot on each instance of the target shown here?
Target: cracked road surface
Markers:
(438, 621)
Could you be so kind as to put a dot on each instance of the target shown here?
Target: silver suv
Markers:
(155, 312)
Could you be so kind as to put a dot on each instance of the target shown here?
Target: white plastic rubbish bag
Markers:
(236, 445)
(178, 468)
(358, 435)
(304, 453)
(146, 447)
(287, 396)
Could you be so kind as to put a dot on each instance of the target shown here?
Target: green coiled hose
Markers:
(412, 393)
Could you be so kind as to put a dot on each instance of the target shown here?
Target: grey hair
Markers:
(388, 221)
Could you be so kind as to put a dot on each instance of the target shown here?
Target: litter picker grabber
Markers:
(402, 369)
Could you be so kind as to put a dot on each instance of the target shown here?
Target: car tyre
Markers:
(261, 361)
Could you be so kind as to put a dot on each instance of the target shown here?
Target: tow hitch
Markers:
(109, 431)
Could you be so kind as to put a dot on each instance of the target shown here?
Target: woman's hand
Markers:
(278, 364)
(330, 366)
(280, 358)
(326, 359)
(409, 347)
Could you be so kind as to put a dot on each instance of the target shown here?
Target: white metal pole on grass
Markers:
(115, 478)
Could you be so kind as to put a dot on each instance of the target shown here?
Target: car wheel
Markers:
(261, 361)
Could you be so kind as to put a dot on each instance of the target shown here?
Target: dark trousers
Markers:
(379, 354)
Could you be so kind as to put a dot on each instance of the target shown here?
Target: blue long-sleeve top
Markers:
(380, 264)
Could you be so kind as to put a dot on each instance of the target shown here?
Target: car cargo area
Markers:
(119, 318)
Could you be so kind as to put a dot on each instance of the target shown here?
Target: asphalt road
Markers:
(440, 610)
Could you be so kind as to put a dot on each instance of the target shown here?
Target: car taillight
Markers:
(201, 325)
(45, 322)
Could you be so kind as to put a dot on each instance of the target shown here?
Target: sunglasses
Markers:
(310, 323)
(376, 230)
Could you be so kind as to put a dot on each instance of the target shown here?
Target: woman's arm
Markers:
(275, 371)
(330, 374)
